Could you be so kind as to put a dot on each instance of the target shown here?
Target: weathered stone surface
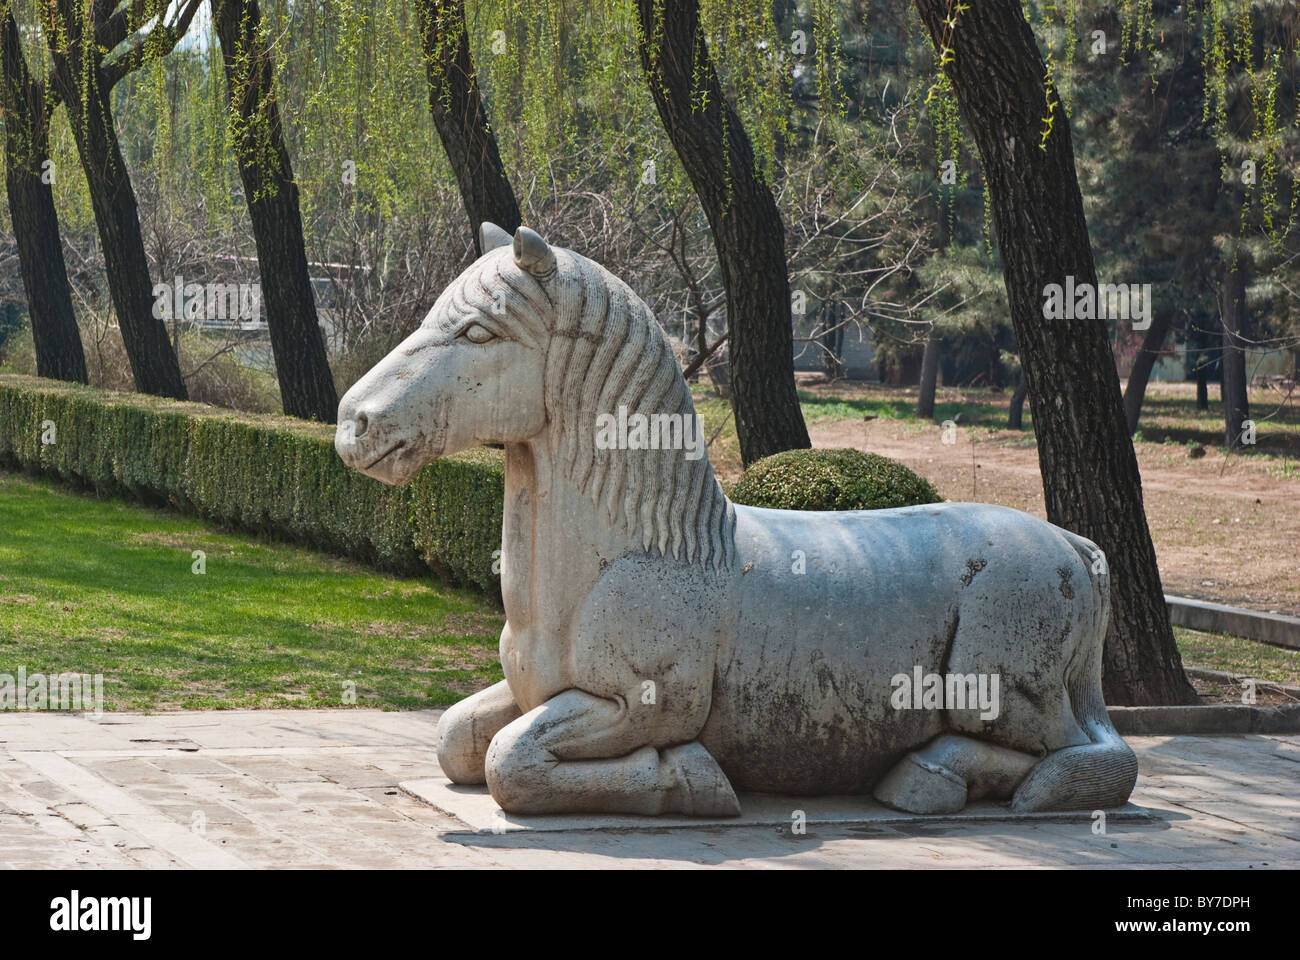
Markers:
(665, 648)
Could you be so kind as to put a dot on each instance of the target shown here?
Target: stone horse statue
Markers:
(665, 647)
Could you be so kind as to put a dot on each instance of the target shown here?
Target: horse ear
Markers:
(533, 254)
(490, 236)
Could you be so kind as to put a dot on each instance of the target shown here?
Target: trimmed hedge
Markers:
(263, 474)
(831, 480)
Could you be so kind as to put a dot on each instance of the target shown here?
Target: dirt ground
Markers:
(1229, 692)
(1226, 530)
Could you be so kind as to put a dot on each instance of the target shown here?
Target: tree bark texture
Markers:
(59, 353)
(301, 364)
(1232, 312)
(461, 120)
(1016, 411)
(1090, 474)
(80, 81)
(711, 142)
(929, 376)
(1140, 375)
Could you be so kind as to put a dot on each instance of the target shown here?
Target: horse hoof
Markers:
(918, 786)
(700, 789)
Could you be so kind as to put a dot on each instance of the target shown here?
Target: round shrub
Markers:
(831, 480)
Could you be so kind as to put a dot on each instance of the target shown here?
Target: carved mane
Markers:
(606, 350)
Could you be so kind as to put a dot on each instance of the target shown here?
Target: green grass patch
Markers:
(816, 407)
(1169, 414)
(264, 475)
(977, 407)
(96, 586)
(1247, 658)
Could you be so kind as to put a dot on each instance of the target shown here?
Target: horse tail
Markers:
(1100, 774)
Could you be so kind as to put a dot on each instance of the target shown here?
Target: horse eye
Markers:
(477, 333)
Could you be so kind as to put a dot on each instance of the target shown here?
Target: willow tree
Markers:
(1091, 483)
(1147, 166)
(301, 365)
(456, 103)
(1252, 107)
(32, 214)
(711, 142)
(29, 103)
(80, 37)
(553, 76)
(1193, 110)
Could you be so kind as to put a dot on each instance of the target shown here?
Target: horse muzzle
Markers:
(373, 443)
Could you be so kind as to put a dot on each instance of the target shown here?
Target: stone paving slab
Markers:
(475, 808)
(319, 789)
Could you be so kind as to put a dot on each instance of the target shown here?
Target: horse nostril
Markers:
(361, 423)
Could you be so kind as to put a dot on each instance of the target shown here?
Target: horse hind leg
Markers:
(1096, 775)
(1092, 777)
(949, 772)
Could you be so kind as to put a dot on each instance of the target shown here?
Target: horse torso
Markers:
(781, 664)
(832, 606)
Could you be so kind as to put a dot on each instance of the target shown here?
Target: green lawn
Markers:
(104, 587)
(1216, 651)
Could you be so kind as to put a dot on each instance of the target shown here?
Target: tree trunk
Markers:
(461, 121)
(35, 222)
(1090, 474)
(708, 136)
(1016, 413)
(1202, 384)
(1146, 358)
(81, 84)
(301, 364)
(929, 376)
(1232, 311)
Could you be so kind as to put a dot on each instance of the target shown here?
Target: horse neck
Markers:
(553, 538)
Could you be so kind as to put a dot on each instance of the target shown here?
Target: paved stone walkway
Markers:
(290, 788)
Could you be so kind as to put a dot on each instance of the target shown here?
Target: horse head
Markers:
(537, 345)
(471, 374)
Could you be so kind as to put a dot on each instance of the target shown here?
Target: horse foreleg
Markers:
(578, 753)
(467, 728)
(950, 771)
